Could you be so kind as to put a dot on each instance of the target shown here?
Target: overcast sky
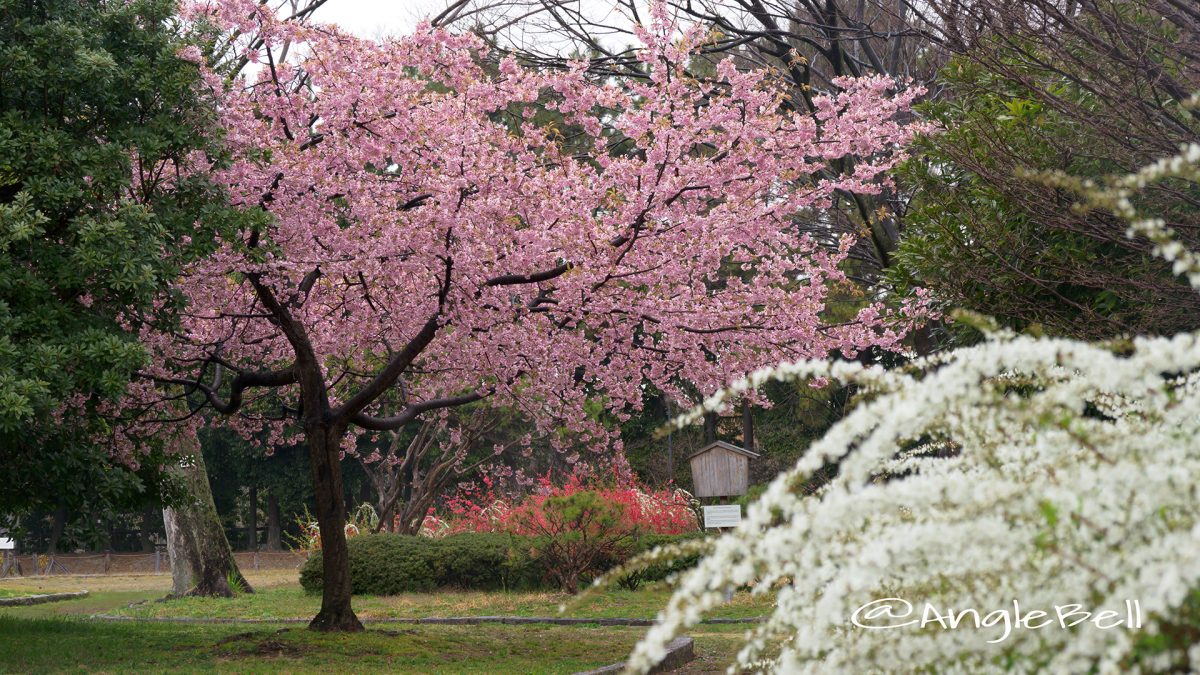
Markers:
(376, 18)
(380, 18)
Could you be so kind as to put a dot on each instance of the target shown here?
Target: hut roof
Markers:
(724, 446)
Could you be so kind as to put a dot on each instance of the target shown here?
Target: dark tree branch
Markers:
(536, 277)
(243, 381)
(412, 411)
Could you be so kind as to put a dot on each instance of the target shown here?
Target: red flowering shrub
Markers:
(576, 534)
(581, 527)
(476, 508)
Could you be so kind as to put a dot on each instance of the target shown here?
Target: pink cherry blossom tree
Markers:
(415, 241)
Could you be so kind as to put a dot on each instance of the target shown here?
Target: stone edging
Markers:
(679, 651)
(39, 599)
(441, 620)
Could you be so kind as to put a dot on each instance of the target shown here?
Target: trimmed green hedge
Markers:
(387, 564)
(660, 570)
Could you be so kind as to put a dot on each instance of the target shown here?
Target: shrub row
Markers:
(659, 570)
(387, 564)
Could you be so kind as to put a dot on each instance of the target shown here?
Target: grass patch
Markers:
(66, 645)
(291, 602)
(95, 603)
(56, 637)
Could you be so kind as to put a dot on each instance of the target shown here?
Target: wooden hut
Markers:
(721, 470)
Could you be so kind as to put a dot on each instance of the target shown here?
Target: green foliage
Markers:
(92, 95)
(489, 562)
(1174, 635)
(388, 564)
(662, 570)
(576, 535)
(986, 239)
(235, 582)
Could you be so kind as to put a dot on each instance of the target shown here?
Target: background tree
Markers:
(280, 474)
(411, 469)
(1090, 88)
(97, 115)
(202, 562)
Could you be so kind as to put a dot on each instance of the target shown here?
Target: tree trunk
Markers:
(747, 426)
(11, 565)
(178, 549)
(144, 533)
(710, 428)
(56, 529)
(388, 497)
(201, 560)
(252, 520)
(324, 447)
(274, 526)
(364, 492)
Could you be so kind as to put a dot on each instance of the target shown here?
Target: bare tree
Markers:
(1101, 82)
(414, 470)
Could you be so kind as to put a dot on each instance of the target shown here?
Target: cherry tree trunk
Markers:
(324, 447)
(201, 560)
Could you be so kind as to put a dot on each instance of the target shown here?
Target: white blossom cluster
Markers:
(1066, 473)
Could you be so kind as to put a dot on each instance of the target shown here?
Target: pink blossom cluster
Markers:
(402, 193)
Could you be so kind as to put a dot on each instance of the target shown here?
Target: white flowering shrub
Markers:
(1061, 475)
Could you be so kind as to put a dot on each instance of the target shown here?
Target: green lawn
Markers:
(58, 637)
(292, 602)
(65, 645)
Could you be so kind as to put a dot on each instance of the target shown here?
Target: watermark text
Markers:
(888, 613)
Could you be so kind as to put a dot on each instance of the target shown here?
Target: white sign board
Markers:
(6, 544)
(725, 515)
